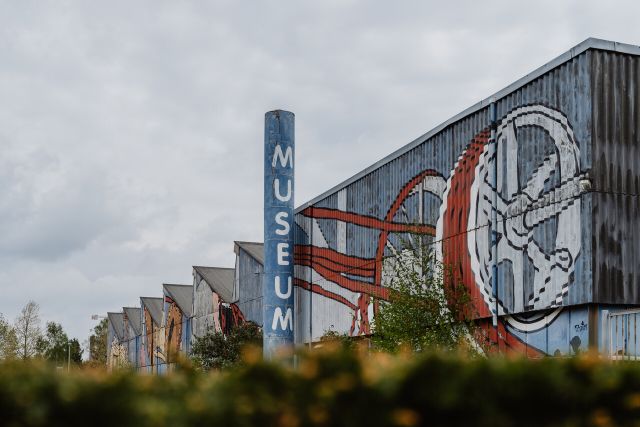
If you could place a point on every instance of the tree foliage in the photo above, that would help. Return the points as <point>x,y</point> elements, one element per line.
<point>216,350</point>
<point>426,309</point>
<point>27,329</point>
<point>98,343</point>
<point>8,340</point>
<point>56,347</point>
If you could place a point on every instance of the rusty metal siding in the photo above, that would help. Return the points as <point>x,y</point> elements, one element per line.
<point>616,177</point>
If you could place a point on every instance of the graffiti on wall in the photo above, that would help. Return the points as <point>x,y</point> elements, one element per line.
<point>230,316</point>
<point>531,208</point>
<point>172,329</point>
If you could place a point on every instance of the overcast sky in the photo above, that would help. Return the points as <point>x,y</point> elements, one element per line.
<point>131,131</point>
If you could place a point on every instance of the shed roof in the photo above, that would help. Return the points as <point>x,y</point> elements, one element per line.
<point>133,316</point>
<point>220,280</point>
<point>182,295</point>
<point>117,322</point>
<point>254,249</point>
<point>590,43</point>
<point>154,305</point>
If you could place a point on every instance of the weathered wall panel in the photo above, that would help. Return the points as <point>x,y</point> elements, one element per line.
<point>249,290</point>
<point>206,315</point>
<point>616,177</point>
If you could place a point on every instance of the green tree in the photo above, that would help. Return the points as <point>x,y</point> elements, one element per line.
<point>53,345</point>
<point>76,351</point>
<point>217,351</point>
<point>27,329</point>
<point>426,308</point>
<point>98,343</point>
<point>8,340</point>
<point>56,346</point>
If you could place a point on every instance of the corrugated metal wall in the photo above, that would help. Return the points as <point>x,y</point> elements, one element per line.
<point>530,188</point>
<point>249,279</point>
<point>205,307</point>
<point>616,177</point>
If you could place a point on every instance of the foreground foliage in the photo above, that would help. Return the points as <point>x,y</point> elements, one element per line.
<point>336,388</point>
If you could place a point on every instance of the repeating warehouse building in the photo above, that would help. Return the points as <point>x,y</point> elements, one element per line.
<point>531,196</point>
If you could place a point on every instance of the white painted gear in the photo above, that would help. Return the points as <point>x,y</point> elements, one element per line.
<point>520,210</point>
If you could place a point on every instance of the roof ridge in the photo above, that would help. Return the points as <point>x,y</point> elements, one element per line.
<point>587,44</point>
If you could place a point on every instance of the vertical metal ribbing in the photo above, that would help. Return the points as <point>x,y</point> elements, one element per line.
<point>493,146</point>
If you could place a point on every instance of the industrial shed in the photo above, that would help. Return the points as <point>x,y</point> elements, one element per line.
<point>212,298</point>
<point>176,321</point>
<point>116,351</point>
<point>132,334</point>
<point>152,340</point>
<point>531,195</point>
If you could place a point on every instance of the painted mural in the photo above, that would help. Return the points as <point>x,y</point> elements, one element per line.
<point>152,343</point>
<point>172,329</point>
<point>530,207</point>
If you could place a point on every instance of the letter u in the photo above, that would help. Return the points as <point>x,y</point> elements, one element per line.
<point>279,293</point>
<point>276,189</point>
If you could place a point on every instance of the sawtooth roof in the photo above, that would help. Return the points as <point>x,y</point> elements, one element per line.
<point>254,249</point>
<point>182,295</point>
<point>133,316</point>
<point>117,322</point>
<point>154,305</point>
<point>220,280</point>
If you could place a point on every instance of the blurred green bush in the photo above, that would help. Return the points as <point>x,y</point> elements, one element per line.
<point>332,387</point>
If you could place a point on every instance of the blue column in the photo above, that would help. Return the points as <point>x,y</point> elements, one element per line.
<point>277,283</point>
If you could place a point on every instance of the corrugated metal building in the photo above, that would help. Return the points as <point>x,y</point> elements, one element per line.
<point>537,182</point>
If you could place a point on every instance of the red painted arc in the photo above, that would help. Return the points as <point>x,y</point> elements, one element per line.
<point>456,221</point>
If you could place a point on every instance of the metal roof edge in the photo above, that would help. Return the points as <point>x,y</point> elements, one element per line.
<point>217,268</point>
<point>590,43</point>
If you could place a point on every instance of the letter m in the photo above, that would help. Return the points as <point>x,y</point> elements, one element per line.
<point>286,157</point>
<point>284,321</point>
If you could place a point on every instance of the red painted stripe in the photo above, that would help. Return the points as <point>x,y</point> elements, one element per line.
<point>334,256</point>
<point>368,221</point>
<point>352,285</point>
<point>336,268</point>
<point>316,289</point>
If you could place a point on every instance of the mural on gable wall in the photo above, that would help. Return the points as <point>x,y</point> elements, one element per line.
<point>152,343</point>
<point>118,357</point>
<point>172,329</point>
<point>536,210</point>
